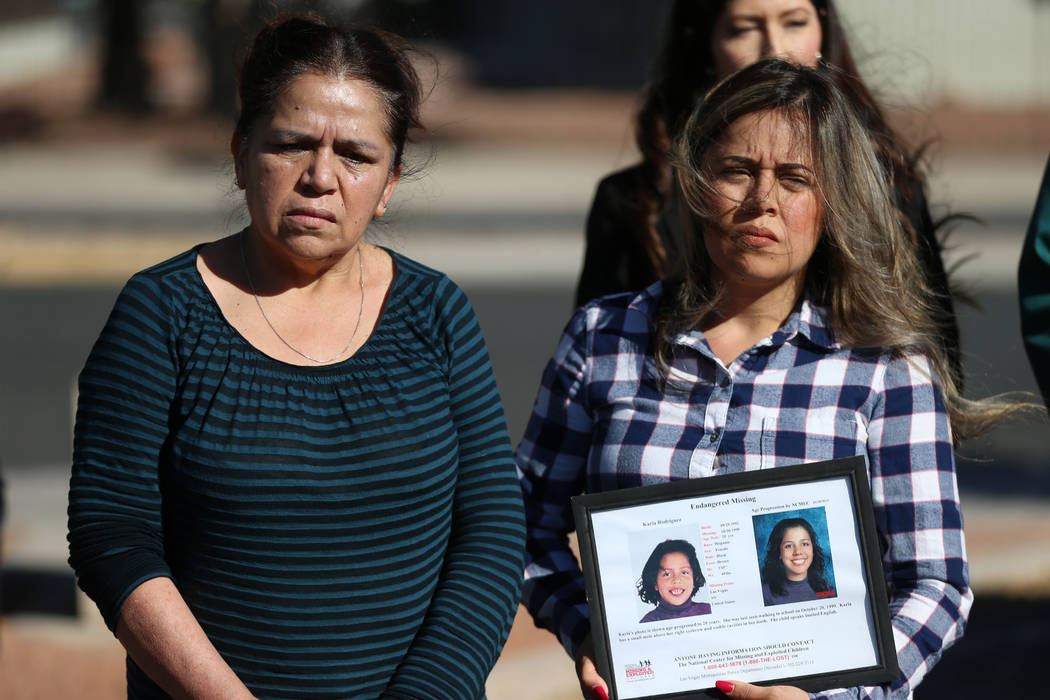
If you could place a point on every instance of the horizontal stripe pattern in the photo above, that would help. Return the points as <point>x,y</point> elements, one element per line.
<point>351,530</point>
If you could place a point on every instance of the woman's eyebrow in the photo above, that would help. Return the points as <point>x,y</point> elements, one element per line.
<point>799,9</point>
<point>749,17</point>
<point>742,160</point>
<point>303,137</point>
<point>291,135</point>
<point>362,145</point>
<point>795,166</point>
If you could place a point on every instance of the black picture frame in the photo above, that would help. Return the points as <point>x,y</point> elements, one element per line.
<point>835,482</point>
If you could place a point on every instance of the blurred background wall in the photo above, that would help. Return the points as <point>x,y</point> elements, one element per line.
<point>115,118</point>
<point>979,52</point>
<point>152,56</point>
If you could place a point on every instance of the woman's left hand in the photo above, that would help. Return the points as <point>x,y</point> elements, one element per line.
<point>739,690</point>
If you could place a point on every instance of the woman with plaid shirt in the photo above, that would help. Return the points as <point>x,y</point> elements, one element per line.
<point>801,330</point>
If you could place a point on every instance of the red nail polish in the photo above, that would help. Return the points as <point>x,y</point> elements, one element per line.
<point>601,692</point>
<point>724,686</point>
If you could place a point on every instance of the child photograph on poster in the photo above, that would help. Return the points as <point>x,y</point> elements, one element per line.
<point>671,583</point>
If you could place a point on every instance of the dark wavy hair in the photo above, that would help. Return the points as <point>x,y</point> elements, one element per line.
<point>773,574</point>
<point>292,46</point>
<point>684,71</point>
<point>647,583</point>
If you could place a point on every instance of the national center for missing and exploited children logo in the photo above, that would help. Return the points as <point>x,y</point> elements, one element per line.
<point>641,671</point>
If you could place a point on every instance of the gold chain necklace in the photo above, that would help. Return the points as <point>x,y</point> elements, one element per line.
<point>297,351</point>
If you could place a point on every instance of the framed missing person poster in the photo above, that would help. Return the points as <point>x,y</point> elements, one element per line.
<point>770,577</point>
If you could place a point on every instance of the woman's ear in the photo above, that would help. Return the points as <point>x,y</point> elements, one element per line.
<point>388,191</point>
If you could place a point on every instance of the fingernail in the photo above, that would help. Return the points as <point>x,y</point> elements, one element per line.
<point>724,686</point>
<point>600,692</point>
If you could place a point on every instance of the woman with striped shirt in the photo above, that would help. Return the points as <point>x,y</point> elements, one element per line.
<point>292,476</point>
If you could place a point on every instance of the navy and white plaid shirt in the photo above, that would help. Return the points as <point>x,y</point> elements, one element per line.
<point>601,423</point>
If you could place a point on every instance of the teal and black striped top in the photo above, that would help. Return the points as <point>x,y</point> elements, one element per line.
<point>345,531</point>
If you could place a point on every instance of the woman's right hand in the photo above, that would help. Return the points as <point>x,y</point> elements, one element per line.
<point>593,685</point>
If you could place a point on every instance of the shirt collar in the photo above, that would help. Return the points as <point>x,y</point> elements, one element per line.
<point>646,301</point>
<point>808,320</point>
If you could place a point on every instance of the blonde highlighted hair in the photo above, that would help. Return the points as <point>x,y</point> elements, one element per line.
<point>865,269</point>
